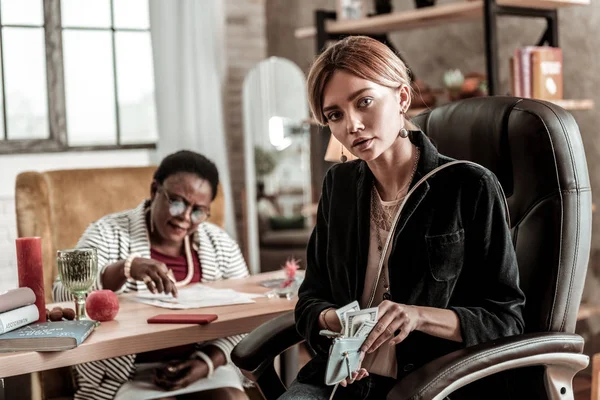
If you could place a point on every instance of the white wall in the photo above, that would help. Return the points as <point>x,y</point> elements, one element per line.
<point>12,165</point>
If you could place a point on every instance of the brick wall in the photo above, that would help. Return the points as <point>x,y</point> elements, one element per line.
<point>246,46</point>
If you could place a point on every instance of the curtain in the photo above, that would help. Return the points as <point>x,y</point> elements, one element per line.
<point>188,41</point>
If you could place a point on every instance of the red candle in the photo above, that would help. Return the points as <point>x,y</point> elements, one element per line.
<point>31,270</point>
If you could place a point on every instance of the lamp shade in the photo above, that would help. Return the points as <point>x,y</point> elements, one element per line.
<point>334,151</point>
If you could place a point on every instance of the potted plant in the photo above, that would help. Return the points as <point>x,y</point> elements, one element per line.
<point>264,161</point>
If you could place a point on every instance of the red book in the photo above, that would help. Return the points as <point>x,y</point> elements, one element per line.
<point>182,319</point>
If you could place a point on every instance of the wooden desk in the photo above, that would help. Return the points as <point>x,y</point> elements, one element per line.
<point>129,333</point>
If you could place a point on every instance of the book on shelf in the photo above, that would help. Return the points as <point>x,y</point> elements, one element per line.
<point>47,336</point>
<point>547,75</point>
<point>16,298</point>
<point>13,319</point>
<point>536,72</point>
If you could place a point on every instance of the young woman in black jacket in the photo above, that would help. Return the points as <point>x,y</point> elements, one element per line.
<point>449,278</point>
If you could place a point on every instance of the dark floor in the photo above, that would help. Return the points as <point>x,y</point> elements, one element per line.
<point>582,386</point>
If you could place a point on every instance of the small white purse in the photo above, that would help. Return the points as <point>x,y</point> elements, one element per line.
<point>344,357</point>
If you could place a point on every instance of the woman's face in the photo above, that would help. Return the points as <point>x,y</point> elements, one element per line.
<point>179,205</point>
<point>364,116</point>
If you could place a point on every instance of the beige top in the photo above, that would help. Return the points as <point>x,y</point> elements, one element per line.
<point>383,360</point>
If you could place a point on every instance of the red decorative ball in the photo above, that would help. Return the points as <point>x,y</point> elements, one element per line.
<point>102,305</point>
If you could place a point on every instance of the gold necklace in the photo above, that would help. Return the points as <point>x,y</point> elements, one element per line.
<point>377,215</point>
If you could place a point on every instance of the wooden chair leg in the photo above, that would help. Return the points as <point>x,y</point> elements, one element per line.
<point>596,377</point>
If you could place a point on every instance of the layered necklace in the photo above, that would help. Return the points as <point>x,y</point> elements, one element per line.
<point>190,263</point>
<point>383,215</point>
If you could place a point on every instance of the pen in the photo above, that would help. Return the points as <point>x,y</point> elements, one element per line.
<point>171,276</point>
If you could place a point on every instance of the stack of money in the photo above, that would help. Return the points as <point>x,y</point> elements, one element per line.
<point>356,322</point>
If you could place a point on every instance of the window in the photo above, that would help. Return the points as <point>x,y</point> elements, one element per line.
<point>76,75</point>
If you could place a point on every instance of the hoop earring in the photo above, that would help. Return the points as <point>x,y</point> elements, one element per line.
<point>403,133</point>
<point>343,157</point>
<point>149,213</point>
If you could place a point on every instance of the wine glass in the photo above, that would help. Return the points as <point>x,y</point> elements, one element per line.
<point>77,269</point>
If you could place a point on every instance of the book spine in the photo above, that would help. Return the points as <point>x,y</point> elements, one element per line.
<point>517,74</point>
<point>526,71</point>
<point>537,84</point>
<point>17,318</point>
<point>85,335</point>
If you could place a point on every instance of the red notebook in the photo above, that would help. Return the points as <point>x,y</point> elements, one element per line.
<point>201,319</point>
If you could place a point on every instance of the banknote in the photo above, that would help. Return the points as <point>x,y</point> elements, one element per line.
<point>364,330</point>
<point>341,313</point>
<point>354,319</point>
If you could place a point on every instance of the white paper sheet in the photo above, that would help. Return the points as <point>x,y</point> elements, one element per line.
<point>142,388</point>
<point>197,296</point>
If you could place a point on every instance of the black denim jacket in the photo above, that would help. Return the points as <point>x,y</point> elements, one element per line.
<point>451,249</point>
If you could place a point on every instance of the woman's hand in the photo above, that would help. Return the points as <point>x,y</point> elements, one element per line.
<point>179,374</point>
<point>154,275</point>
<point>357,375</point>
<point>392,317</point>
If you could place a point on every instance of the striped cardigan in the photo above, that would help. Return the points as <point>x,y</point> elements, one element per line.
<point>115,237</point>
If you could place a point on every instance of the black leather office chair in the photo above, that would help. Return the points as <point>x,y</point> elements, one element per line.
<point>535,149</point>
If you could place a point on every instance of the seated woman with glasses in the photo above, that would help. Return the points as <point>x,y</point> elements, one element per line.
<point>162,244</point>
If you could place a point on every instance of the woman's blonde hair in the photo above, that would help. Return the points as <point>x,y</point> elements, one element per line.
<point>358,55</point>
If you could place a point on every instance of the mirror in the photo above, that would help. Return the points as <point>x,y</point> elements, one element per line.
<point>278,189</point>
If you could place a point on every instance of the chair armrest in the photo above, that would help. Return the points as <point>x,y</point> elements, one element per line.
<point>260,347</point>
<point>446,374</point>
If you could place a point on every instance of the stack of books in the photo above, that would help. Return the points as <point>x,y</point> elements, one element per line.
<point>536,72</point>
<point>17,309</point>
<point>18,332</point>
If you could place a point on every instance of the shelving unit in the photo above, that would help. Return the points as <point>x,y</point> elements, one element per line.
<point>571,105</point>
<point>418,18</point>
<point>429,16</point>
<point>575,105</point>
<point>327,28</point>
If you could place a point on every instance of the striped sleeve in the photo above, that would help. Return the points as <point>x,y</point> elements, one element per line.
<point>102,379</point>
<point>225,344</point>
<point>93,237</point>
<point>60,292</point>
<point>236,266</point>
<point>100,236</point>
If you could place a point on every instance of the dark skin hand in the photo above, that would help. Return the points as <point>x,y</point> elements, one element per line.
<point>179,374</point>
<point>153,271</point>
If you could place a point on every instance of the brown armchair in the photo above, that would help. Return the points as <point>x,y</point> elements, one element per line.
<point>535,150</point>
<point>59,205</point>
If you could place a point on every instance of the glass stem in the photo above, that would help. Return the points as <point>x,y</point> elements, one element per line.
<point>80,307</point>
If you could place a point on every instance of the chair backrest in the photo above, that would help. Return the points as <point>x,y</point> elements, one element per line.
<point>59,205</point>
<point>535,150</point>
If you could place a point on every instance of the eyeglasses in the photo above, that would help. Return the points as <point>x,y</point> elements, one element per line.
<point>178,207</point>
